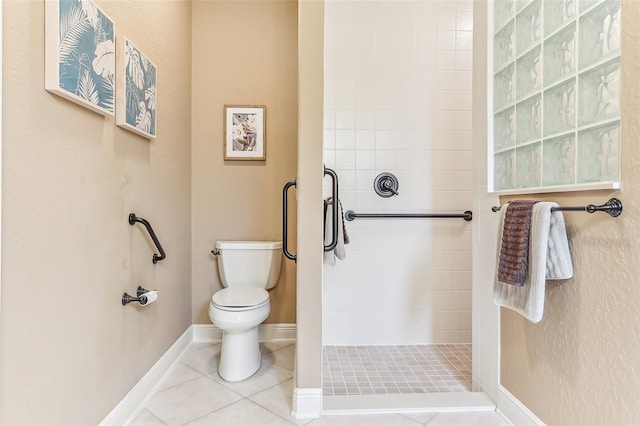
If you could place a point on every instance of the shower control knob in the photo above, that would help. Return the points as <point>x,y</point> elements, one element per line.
<point>386,185</point>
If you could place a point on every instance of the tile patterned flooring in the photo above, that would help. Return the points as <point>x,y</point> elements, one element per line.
<point>193,393</point>
<point>368,370</point>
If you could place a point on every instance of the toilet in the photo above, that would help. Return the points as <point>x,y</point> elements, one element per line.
<point>247,270</point>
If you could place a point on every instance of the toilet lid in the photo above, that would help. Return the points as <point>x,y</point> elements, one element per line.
<point>238,297</point>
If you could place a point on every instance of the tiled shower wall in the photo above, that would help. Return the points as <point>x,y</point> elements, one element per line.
<point>398,99</point>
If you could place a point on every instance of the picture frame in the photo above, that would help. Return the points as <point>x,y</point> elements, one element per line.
<point>245,132</point>
<point>137,90</point>
<point>80,58</point>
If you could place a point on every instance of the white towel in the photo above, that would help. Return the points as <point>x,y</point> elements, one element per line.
<point>549,258</point>
<point>339,251</point>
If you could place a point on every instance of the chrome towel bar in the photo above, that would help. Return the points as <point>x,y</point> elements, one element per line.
<point>351,215</point>
<point>613,207</point>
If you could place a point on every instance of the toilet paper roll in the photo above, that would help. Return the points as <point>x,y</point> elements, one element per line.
<point>148,297</point>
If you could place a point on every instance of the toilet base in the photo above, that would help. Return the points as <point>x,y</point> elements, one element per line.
<point>240,355</point>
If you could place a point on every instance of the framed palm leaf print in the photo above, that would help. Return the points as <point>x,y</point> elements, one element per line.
<point>137,87</point>
<point>80,54</point>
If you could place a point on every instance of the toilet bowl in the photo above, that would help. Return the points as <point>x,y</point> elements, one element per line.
<point>247,269</point>
<point>239,314</point>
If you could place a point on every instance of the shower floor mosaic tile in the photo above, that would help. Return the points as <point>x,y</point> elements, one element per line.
<point>369,370</point>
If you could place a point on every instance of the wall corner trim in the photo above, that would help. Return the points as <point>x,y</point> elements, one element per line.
<point>515,411</point>
<point>130,405</point>
<point>307,403</point>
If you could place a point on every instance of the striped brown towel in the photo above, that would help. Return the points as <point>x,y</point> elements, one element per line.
<point>514,247</point>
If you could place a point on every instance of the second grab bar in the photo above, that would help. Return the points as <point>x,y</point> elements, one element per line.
<point>132,220</point>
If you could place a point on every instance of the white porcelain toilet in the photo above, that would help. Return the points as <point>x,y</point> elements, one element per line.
<point>247,270</point>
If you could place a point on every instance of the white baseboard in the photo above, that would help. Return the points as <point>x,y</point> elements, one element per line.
<point>130,405</point>
<point>515,411</point>
<point>307,403</point>
<point>206,333</point>
<point>203,333</point>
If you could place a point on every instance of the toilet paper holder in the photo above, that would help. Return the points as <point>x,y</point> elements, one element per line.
<point>140,297</point>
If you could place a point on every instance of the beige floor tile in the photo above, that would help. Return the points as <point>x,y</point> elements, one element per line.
<point>477,418</point>
<point>204,359</point>
<point>283,357</point>
<point>191,400</point>
<point>365,420</point>
<point>267,376</point>
<point>179,373</point>
<point>279,399</point>
<point>242,413</point>
<point>420,417</point>
<point>146,418</point>
<point>275,345</point>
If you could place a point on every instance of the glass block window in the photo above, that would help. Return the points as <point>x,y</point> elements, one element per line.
<point>556,94</point>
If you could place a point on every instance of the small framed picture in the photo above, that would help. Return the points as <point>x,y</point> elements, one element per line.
<point>244,132</point>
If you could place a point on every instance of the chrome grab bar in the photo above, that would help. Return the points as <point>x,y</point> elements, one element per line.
<point>335,205</point>
<point>285,221</point>
<point>132,220</point>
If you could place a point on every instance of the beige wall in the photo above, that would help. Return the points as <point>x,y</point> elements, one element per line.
<point>579,365</point>
<point>70,350</point>
<point>309,190</point>
<point>244,52</point>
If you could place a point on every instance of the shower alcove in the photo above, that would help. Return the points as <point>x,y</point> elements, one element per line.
<point>397,312</point>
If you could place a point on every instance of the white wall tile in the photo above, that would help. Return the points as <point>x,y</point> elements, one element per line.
<point>329,118</point>
<point>385,160</point>
<point>329,139</point>
<point>329,158</point>
<point>365,119</point>
<point>464,19</point>
<point>446,12</point>
<point>386,119</point>
<point>385,139</point>
<point>365,159</point>
<point>446,40</point>
<point>345,159</point>
<point>345,139</point>
<point>446,59</point>
<point>464,40</point>
<point>464,60</point>
<point>365,139</point>
<point>345,118</point>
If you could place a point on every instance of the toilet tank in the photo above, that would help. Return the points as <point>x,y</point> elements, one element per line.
<point>249,263</point>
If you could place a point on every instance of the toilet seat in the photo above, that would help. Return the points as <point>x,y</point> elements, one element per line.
<point>240,298</point>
